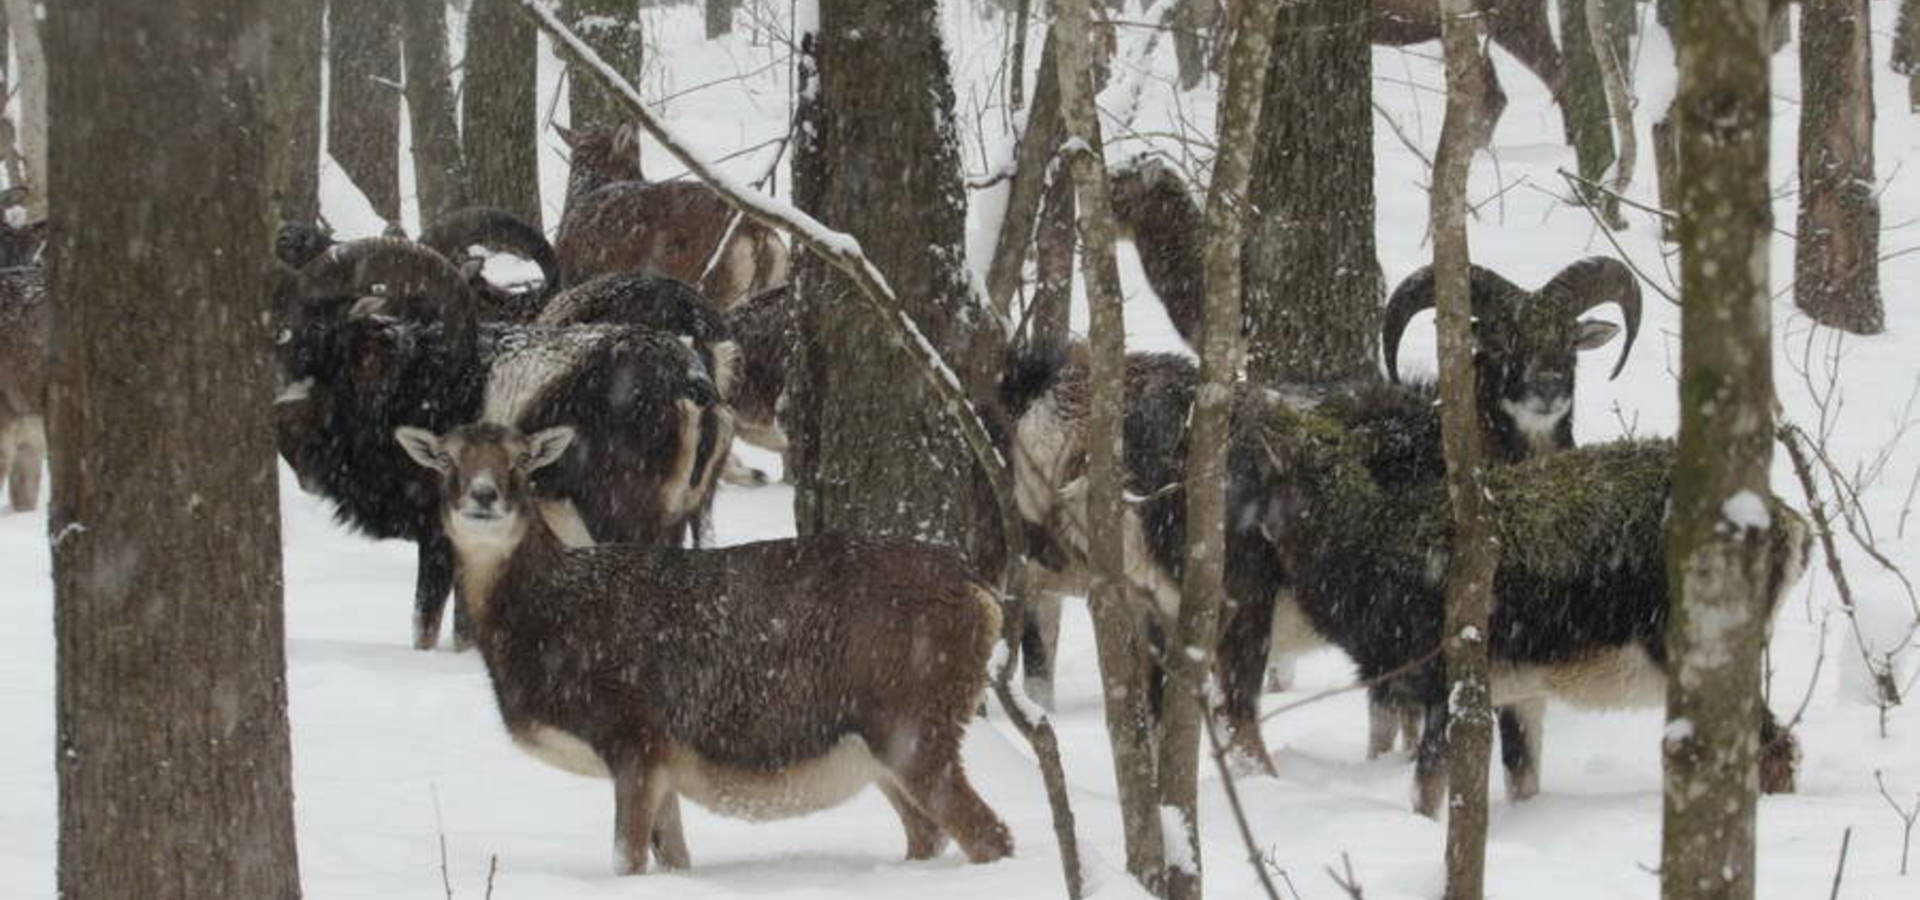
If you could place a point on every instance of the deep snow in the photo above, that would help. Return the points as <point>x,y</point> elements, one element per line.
<point>394,749</point>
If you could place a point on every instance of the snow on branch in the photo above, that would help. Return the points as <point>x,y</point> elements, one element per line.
<point>838,248</point>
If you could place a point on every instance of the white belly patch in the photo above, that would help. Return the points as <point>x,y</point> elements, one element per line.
<point>810,786</point>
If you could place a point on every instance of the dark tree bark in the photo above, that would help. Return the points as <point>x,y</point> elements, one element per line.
<point>1589,122</point>
<point>877,157</point>
<point>1836,263</point>
<point>172,755</point>
<point>1053,245</point>
<point>1203,585</point>
<point>1193,24</point>
<point>1117,635</point>
<point>1313,283</point>
<point>612,29</point>
<point>363,121</point>
<point>719,17</point>
<point>1717,568</point>
<point>1474,552</point>
<point>439,171</point>
<point>499,109</point>
<point>293,105</point>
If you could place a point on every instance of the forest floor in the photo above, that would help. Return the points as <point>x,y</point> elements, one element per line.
<point>404,776</point>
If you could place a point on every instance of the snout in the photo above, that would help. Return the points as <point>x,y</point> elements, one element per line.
<point>482,502</point>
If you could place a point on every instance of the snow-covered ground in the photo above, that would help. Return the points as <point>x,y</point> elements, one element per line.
<point>396,750</point>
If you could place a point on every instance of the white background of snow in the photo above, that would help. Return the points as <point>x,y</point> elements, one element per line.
<point>380,729</point>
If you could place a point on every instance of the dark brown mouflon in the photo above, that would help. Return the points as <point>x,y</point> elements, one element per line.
<point>761,681</point>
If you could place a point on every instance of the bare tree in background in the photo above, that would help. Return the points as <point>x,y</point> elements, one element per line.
<point>719,17</point>
<point>1313,286</point>
<point>499,110</point>
<point>363,103</point>
<point>1475,552</point>
<point>1836,262</point>
<point>172,756</point>
<point>296,29</point>
<point>877,156</point>
<point>1203,585</point>
<point>439,172</point>
<point>1032,180</point>
<point>1120,645</point>
<point>612,28</point>
<point>1719,553</point>
<point>31,87</point>
<point>1906,50</point>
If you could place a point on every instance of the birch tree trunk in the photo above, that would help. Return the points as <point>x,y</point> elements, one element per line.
<point>1836,262</point>
<point>439,172</point>
<point>1123,672</point>
<point>498,107</point>
<point>363,107</point>
<point>171,702</point>
<point>1203,589</point>
<point>1717,568</point>
<point>31,84</point>
<point>612,28</point>
<point>293,109</point>
<point>1470,565</point>
<point>1312,277</point>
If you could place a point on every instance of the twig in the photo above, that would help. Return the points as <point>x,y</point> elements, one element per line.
<point>493,869</point>
<point>1908,817</point>
<point>1657,287</point>
<point>1406,141</point>
<point>1382,678</point>
<point>1349,884</point>
<point>440,827</point>
<point>1840,867</point>
<point>1254,856</point>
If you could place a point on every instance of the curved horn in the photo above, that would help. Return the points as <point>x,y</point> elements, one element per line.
<point>495,229</point>
<point>401,269</point>
<point>1597,281</point>
<point>1414,294</point>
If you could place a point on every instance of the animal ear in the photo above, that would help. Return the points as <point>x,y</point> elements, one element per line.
<point>423,446</point>
<point>545,447</point>
<point>1591,333</point>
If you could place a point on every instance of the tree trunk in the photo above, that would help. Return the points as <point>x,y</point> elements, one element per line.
<point>719,17</point>
<point>1609,44</point>
<point>1203,587</point>
<point>1031,168</point>
<point>1193,22</point>
<point>363,121</point>
<point>498,106</point>
<point>439,173</point>
<point>612,29</point>
<point>877,157</point>
<point>1589,121</point>
<point>1117,631</point>
<point>1312,278</point>
<point>1474,553</point>
<point>1836,263</point>
<point>1053,245</point>
<point>173,756</point>
<point>293,108</point>
<point>1717,570</point>
<point>1906,50</point>
<point>31,84</point>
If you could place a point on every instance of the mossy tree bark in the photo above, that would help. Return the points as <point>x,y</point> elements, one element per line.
<point>1053,246</point>
<point>363,105</point>
<point>1203,587</point>
<point>1475,551</point>
<point>877,157</point>
<point>1718,560</point>
<point>1836,262</point>
<point>439,170</point>
<point>612,28</point>
<point>172,749</point>
<point>1589,121</point>
<point>296,28</point>
<point>500,110</point>
<point>1123,671</point>
<point>1311,274</point>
